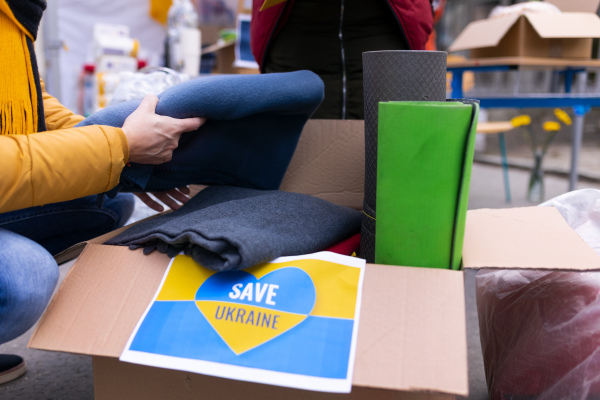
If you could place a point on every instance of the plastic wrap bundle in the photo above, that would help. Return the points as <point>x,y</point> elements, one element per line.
<point>394,75</point>
<point>540,334</point>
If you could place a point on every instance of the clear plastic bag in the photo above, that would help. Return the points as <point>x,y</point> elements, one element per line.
<point>540,330</point>
<point>581,210</point>
<point>522,8</point>
<point>150,80</point>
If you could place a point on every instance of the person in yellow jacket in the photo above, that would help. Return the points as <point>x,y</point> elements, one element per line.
<point>50,172</point>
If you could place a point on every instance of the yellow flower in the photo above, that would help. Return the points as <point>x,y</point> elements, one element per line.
<point>520,120</point>
<point>552,126</point>
<point>562,116</point>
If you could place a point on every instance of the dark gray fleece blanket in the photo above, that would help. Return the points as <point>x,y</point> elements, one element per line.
<point>230,228</point>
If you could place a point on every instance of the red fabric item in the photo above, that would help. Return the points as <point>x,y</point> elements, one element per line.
<point>414,16</point>
<point>346,247</point>
<point>540,334</point>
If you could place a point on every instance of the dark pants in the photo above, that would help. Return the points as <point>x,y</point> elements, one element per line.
<point>311,40</point>
<point>58,226</point>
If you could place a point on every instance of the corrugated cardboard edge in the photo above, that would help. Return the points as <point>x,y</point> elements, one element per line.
<point>412,334</point>
<point>114,380</point>
<point>100,301</point>
<point>483,33</point>
<point>329,162</point>
<point>75,250</point>
<point>524,238</point>
<point>424,310</point>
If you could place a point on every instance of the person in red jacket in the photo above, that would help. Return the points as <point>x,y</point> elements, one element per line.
<point>328,37</point>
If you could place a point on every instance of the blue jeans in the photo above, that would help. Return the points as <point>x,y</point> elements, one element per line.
<point>60,225</point>
<point>28,275</point>
<point>28,272</point>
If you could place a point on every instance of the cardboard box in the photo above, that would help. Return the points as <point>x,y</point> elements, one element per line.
<point>225,58</point>
<point>565,35</point>
<point>411,338</point>
<point>329,162</point>
<point>412,334</point>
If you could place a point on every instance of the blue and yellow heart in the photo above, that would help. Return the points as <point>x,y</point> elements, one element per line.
<point>247,312</point>
<point>260,317</point>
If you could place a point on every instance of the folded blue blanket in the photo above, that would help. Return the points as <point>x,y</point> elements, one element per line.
<point>252,128</point>
<point>228,228</point>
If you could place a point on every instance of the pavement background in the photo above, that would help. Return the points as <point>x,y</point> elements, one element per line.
<point>59,376</point>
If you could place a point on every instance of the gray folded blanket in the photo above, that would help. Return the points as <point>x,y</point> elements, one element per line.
<point>230,228</point>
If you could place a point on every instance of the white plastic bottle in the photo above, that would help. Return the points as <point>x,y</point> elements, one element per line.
<point>183,38</point>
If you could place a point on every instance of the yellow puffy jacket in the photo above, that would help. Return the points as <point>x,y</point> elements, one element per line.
<point>61,164</point>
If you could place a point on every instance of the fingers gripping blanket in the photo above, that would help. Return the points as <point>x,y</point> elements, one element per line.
<point>253,125</point>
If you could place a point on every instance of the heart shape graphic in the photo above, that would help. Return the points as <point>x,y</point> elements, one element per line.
<point>247,312</point>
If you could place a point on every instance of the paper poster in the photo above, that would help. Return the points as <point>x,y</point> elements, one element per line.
<point>291,322</point>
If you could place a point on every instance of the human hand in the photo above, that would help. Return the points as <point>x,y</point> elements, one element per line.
<point>151,137</point>
<point>169,197</point>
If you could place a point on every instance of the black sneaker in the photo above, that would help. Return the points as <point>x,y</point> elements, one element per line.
<point>11,367</point>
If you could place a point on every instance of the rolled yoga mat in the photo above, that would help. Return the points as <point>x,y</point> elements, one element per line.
<point>424,161</point>
<point>394,75</point>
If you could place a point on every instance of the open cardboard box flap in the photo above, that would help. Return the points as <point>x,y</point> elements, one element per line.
<point>565,25</point>
<point>329,162</point>
<point>483,33</point>
<point>590,6</point>
<point>75,250</point>
<point>524,238</point>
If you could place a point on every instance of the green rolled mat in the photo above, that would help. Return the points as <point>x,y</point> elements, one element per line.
<point>424,160</point>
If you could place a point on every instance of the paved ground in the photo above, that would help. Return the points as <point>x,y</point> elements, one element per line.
<point>57,376</point>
